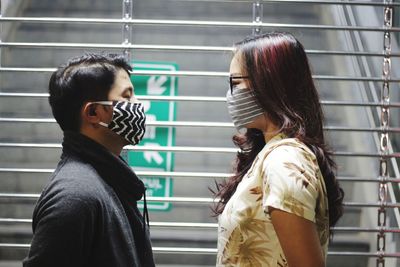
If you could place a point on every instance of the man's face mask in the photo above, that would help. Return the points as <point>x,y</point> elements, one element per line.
<point>128,121</point>
<point>242,106</point>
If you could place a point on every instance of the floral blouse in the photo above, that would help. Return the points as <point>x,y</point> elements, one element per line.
<point>285,175</point>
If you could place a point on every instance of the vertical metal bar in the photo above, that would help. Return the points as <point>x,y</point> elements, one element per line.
<point>1,29</point>
<point>257,17</point>
<point>384,135</point>
<point>1,40</point>
<point>127,14</point>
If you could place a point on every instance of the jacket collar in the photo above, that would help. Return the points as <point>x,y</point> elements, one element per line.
<point>112,169</point>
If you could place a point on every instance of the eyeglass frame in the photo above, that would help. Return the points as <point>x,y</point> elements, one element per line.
<point>231,78</point>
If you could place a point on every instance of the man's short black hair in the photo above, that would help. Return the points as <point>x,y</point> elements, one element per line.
<point>81,80</point>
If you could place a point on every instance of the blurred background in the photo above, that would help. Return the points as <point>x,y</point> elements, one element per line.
<point>181,51</point>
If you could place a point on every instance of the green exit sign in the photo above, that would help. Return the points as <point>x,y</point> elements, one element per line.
<point>156,85</point>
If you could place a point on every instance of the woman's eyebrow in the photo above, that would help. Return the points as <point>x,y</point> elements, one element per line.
<point>235,74</point>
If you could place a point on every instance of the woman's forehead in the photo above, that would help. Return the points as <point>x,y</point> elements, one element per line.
<point>236,64</point>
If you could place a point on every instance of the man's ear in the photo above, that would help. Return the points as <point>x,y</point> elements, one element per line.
<point>89,113</point>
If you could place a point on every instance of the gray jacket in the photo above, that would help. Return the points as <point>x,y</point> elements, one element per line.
<point>84,219</point>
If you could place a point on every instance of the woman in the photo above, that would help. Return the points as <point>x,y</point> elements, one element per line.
<point>277,208</point>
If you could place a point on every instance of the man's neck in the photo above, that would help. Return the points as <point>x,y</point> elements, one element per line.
<point>112,144</point>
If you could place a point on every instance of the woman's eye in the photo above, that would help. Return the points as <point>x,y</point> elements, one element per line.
<point>235,84</point>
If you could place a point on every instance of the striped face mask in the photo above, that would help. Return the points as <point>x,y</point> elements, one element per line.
<point>242,106</point>
<point>128,121</point>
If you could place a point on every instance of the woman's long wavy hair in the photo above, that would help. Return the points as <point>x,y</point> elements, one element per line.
<point>280,76</point>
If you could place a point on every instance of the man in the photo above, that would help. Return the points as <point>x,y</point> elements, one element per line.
<point>87,215</point>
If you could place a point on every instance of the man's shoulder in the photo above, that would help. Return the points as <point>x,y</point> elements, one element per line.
<point>77,180</point>
<point>75,169</point>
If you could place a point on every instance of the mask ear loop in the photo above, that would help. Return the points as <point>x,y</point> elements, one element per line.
<point>106,103</point>
<point>103,124</point>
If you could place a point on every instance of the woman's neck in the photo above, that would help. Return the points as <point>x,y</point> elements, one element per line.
<point>270,132</point>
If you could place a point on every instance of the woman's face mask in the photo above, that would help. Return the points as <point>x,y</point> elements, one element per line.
<point>128,121</point>
<point>242,106</point>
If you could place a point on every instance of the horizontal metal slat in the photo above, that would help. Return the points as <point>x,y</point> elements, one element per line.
<point>199,175</point>
<point>14,246</point>
<point>215,226</point>
<point>212,99</point>
<point>330,2</point>
<point>181,48</point>
<point>127,46</point>
<point>195,200</point>
<point>207,124</point>
<point>213,251</point>
<point>208,74</point>
<point>197,23</point>
<point>203,149</point>
<point>319,2</point>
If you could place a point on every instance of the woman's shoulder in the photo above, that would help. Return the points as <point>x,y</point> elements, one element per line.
<point>289,150</point>
<point>289,142</point>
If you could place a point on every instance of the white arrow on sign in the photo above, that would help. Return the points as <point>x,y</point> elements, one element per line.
<point>149,156</point>
<point>154,85</point>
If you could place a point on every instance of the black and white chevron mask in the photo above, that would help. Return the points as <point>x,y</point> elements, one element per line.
<point>128,121</point>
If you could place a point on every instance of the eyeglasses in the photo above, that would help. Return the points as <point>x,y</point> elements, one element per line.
<point>231,78</point>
